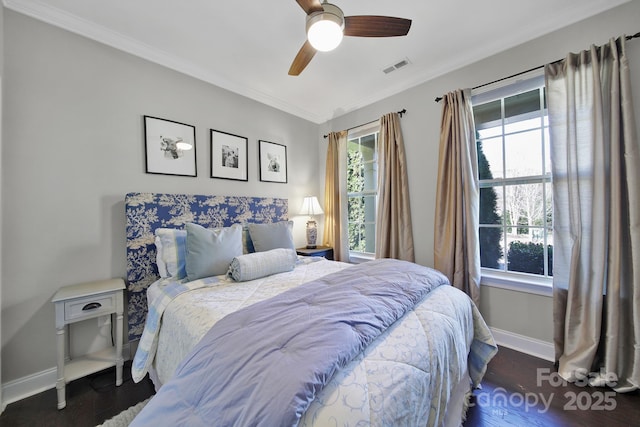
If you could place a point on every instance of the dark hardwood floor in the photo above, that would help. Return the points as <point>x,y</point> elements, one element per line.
<point>90,401</point>
<point>510,396</point>
<point>514,394</point>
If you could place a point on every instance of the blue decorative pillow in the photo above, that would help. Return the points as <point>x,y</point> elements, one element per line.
<point>171,252</point>
<point>272,236</point>
<point>261,264</point>
<point>247,244</point>
<point>210,251</point>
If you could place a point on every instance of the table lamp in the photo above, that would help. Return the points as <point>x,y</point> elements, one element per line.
<point>311,207</point>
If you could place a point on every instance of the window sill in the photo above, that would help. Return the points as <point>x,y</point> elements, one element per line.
<point>516,282</point>
<point>359,257</point>
<point>513,282</point>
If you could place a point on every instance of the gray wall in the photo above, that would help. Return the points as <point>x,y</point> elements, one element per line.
<point>73,111</point>
<point>517,312</point>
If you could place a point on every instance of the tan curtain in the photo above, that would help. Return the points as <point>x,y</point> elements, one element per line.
<point>394,234</point>
<point>456,247</point>
<point>336,233</point>
<point>596,188</point>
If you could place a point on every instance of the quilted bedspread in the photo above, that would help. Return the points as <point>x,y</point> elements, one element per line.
<point>404,377</point>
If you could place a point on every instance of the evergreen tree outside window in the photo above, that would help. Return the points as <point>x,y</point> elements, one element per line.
<point>514,171</point>
<point>489,237</point>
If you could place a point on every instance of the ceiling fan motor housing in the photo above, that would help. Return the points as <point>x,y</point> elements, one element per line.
<point>331,12</point>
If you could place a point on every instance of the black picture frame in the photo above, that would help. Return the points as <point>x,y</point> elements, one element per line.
<point>273,161</point>
<point>163,154</point>
<point>228,159</point>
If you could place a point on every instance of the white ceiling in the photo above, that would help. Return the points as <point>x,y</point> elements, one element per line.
<point>247,46</point>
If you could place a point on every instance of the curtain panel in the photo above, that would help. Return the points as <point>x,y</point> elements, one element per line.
<point>456,246</point>
<point>336,233</point>
<point>394,231</point>
<point>596,177</point>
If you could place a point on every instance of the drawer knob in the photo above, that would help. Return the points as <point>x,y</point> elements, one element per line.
<point>91,306</point>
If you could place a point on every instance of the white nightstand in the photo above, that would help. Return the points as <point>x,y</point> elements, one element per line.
<point>81,302</point>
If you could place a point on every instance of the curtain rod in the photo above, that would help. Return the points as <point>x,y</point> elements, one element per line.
<point>439,98</point>
<point>401,112</point>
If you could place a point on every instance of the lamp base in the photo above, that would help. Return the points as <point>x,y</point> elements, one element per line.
<point>312,234</point>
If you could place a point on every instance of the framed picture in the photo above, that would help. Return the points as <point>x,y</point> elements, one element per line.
<point>170,147</point>
<point>228,156</point>
<point>273,161</point>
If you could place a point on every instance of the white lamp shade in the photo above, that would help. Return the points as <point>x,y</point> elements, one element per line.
<point>310,206</point>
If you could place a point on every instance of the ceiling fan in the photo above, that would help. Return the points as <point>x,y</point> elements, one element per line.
<point>326,24</point>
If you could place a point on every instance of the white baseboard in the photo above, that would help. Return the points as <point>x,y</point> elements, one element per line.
<point>21,388</point>
<point>30,385</point>
<point>531,346</point>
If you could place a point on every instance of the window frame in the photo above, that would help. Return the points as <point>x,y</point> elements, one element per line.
<point>360,132</point>
<point>517,281</point>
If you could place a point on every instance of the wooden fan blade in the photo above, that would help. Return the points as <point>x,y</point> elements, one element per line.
<point>310,6</point>
<point>302,59</point>
<point>375,26</point>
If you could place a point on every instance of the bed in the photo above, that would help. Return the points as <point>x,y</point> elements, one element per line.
<point>220,347</point>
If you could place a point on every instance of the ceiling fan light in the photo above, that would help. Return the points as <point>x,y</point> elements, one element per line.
<point>325,29</point>
<point>325,35</point>
<point>184,146</point>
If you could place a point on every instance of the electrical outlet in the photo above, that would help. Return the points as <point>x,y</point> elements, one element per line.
<point>104,321</point>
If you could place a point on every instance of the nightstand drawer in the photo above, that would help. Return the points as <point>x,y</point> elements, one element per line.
<point>90,306</point>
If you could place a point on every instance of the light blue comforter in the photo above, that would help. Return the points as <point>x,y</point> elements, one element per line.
<point>264,365</point>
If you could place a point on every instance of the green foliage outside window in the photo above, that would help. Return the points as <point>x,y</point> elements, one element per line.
<point>355,184</point>
<point>528,257</point>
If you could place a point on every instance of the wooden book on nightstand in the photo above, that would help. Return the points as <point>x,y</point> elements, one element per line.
<point>321,251</point>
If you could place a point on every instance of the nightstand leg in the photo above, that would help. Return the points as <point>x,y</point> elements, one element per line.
<point>60,382</point>
<point>119,359</point>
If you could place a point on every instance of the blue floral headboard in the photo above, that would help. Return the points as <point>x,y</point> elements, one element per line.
<point>147,211</point>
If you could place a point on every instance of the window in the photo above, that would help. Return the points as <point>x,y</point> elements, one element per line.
<point>362,188</point>
<point>514,168</point>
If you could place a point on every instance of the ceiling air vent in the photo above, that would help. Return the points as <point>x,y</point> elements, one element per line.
<point>396,66</point>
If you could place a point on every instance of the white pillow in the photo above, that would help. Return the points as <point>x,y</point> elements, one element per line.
<point>162,266</point>
<point>171,252</point>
